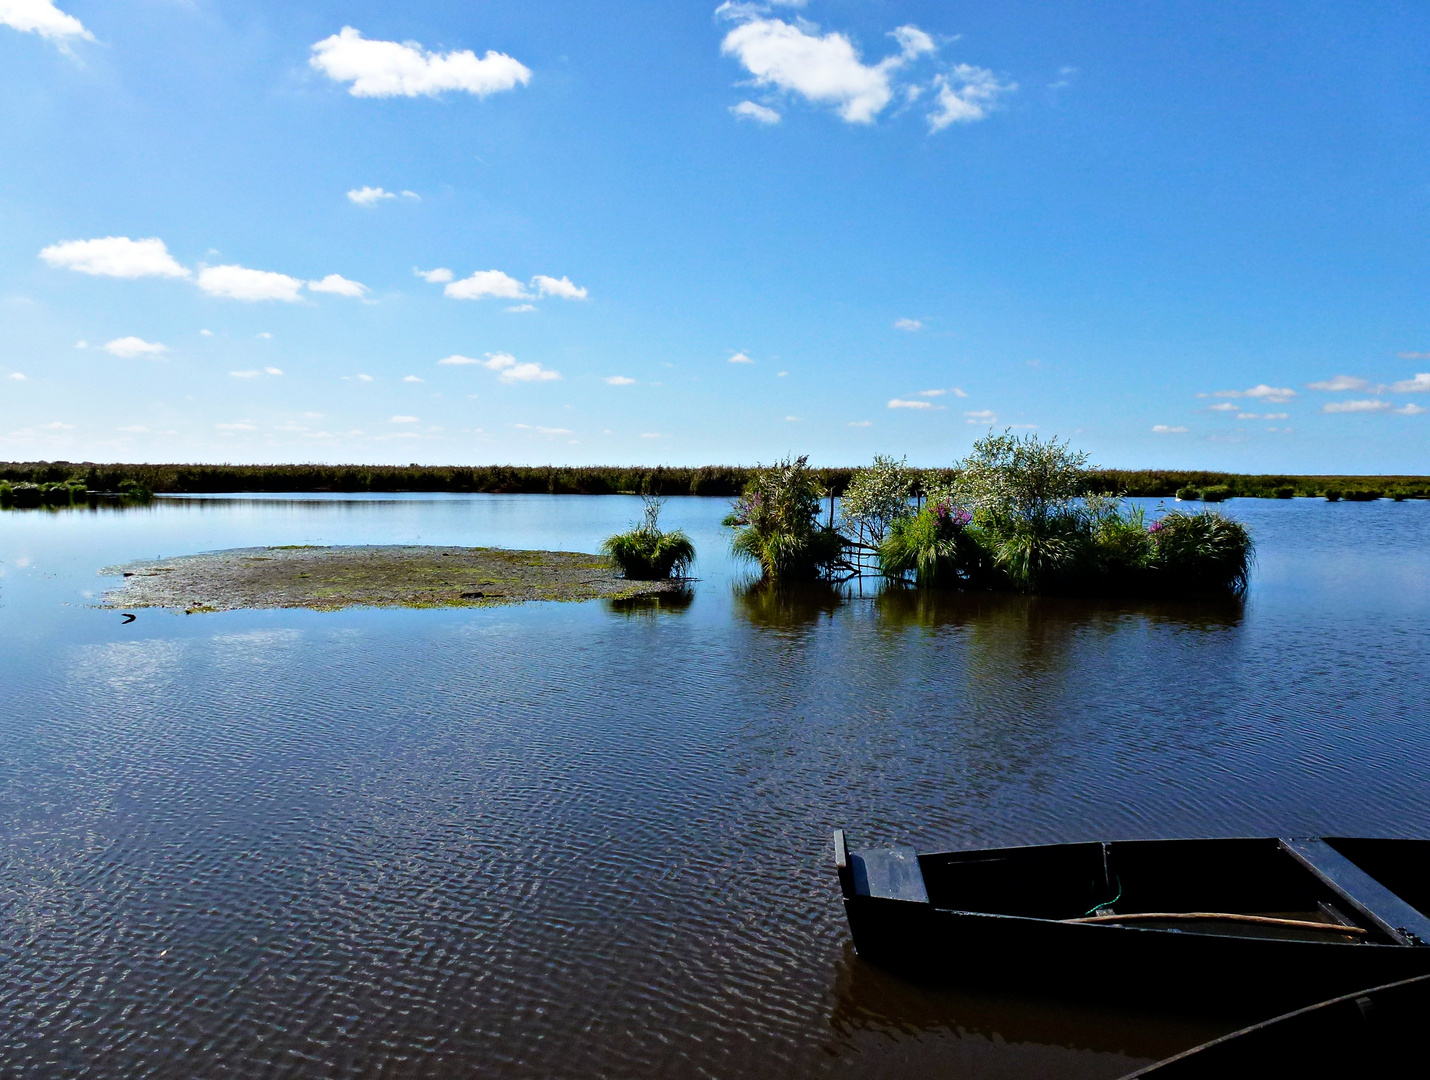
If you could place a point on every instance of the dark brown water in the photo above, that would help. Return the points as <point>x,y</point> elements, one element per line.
<point>580,840</point>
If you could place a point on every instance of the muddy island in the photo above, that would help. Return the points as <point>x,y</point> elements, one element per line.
<point>330,578</point>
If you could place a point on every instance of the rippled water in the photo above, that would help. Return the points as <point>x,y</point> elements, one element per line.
<point>585,840</point>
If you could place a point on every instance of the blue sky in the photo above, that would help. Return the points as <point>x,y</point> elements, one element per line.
<point>1180,235</point>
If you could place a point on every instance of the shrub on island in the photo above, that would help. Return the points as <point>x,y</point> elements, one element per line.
<point>646,553</point>
<point>1018,516</point>
<point>776,523</point>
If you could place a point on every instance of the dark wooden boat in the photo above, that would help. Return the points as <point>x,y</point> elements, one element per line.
<point>1372,1032</point>
<point>1234,928</point>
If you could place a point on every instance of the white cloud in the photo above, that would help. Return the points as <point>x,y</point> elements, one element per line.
<point>861,423</point>
<point>245,374</point>
<point>43,18</point>
<point>1224,406</point>
<point>933,393</point>
<point>130,347</point>
<point>1419,384</point>
<point>1414,355</point>
<point>412,378</point>
<point>620,380</point>
<point>966,94</point>
<point>369,196</point>
<point>760,114</point>
<point>740,358</point>
<point>81,344</point>
<point>507,367</point>
<point>1362,406</point>
<point>778,374</point>
<point>1276,416</point>
<point>1248,416</point>
<point>486,283</point>
<point>440,276</point>
<point>651,435</point>
<point>900,403</point>
<point>404,420</point>
<point>792,419</point>
<point>405,69</point>
<point>272,371</point>
<point>264,336</point>
<point>824,69</point>
<point>239,426</point>
<point>1405,410</point>
<point>1164,429</point>
<point>562,287</point>
<point>1340,384</point>
<point>912,41</point>
<point>17,376</point>
<point>57,425</point>
<point>241,283</point>
<point>338,286</point>
<point>411,195</point>
<point>364,378</point>
<point>517,309</point>
<point>206,333</point>
<point>908,324</point>
<point>115,256</point>
<point>1272,395</point>
<point>982,416</point>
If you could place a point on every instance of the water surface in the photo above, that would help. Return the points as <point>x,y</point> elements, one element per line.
<point>585,840</point>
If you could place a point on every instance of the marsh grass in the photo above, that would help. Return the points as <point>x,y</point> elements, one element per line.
<point>776,523</point>
<point>646,552</point>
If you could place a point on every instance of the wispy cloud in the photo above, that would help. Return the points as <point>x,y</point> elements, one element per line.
<point>861,423</point>
<point>405,69</point>
<point>507,367</point>
<point>981,416</point>
<point>620,380</point>
<point>404,420</point>
<point>240,425</point>
<point>1340,384</point>
<point>1365,405</point>
<point>740,358</point>
<point>901,403</point>
<point>760,114</point>
<point>1274,395</point>
<point>521,309</point>
<point>964,95</point>
<point>369,196</point>
<point>130,347</point>
<point>1418,385</point>
<point>115,256</point>
<point>412,378</point>
<point>440,276</point>
<point>1167,429</point>
<point>487,283</point>
<point>17,376</point>
<point>910,325</point>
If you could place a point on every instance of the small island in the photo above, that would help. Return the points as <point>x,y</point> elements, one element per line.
<point>331,578</point>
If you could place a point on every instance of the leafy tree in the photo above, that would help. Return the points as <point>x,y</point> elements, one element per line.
<point>777,523</point>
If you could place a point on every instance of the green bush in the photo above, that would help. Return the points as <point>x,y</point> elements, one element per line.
<point>1189,493</point>
<point>1284,492</point>
<point>27,495</point>
<point>645,553</point>
<point>1216,493</point>
<point>777,523</point>
<point>1333,494</point>
<point>936,546</point>
<point>1361,495</point>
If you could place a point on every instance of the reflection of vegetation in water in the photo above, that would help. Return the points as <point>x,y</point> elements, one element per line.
<point>65,494</point>
<point>648,607</point>
<point>789,604</point>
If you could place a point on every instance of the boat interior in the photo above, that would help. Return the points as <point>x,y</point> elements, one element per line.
<point>1332,889</point>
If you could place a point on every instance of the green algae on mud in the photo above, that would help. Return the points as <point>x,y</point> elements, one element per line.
<point>330,578</point>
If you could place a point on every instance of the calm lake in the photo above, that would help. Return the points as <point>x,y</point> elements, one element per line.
<point>580,840</point>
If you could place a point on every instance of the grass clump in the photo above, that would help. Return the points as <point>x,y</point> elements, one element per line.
<point>1187,493</point>
<point>646,552</point>
<point>777,524</point>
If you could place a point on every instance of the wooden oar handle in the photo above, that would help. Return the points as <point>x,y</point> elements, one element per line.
<point>1223,916</point>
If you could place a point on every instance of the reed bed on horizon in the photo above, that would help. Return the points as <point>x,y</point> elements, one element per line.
<point>715,480</point>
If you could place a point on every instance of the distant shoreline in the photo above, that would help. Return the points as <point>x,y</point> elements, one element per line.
<point>718,480</point>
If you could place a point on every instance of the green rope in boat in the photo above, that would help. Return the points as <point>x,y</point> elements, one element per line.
<point>1106,903</point>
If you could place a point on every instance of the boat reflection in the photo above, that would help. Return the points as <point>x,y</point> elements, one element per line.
<point>902,1028</point>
